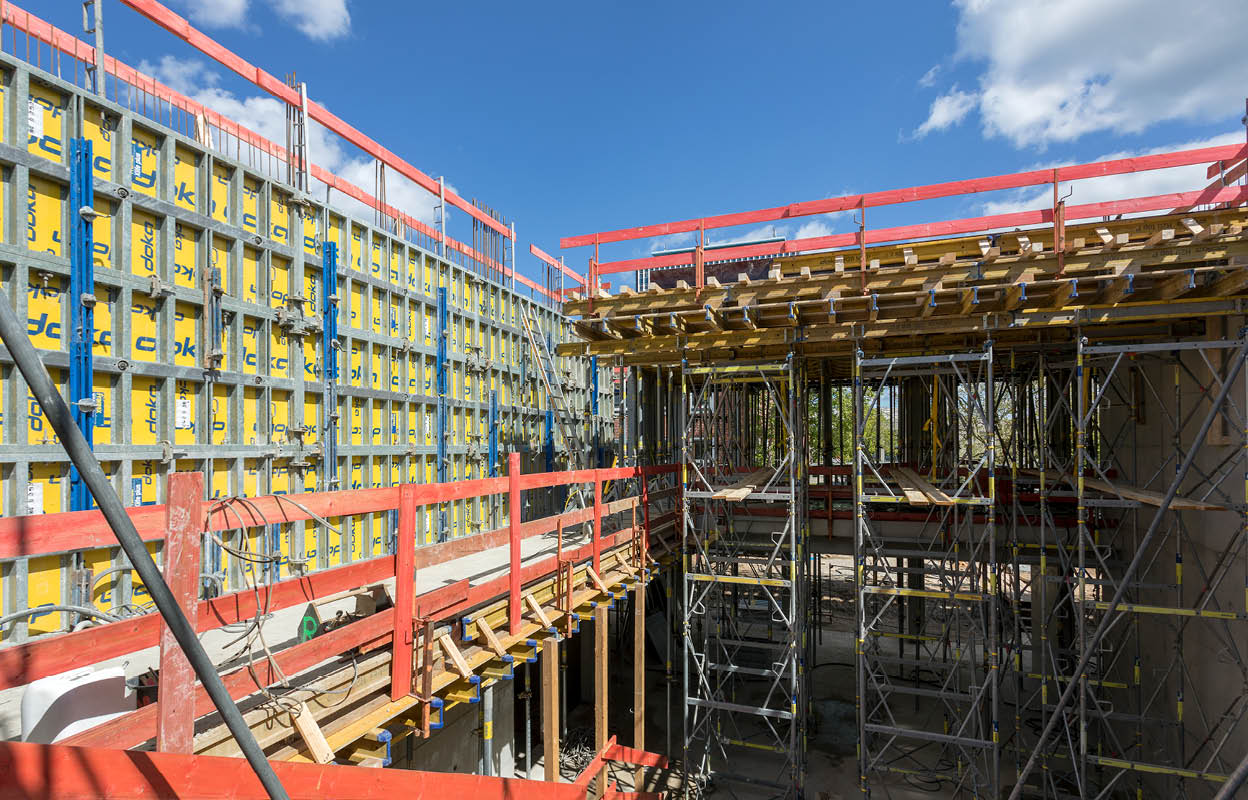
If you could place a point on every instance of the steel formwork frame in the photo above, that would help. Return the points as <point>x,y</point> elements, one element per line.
<point>948,663</point>
<point>745,576</point>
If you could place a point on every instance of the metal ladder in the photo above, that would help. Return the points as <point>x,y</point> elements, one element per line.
<point>554,389</point>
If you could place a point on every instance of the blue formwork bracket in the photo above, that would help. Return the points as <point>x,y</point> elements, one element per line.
<point>81,306</point>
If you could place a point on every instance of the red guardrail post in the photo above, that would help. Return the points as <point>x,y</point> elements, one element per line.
<point>513,497</point>
<point>184,521</point>
<point>598,521</point>
<point>404,593</point>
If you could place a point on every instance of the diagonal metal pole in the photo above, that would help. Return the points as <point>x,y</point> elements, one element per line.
<point>1140,549</point>
<point>58,414</point>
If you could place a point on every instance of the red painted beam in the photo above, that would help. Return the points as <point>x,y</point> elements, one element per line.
<point>179,27</point>
<point>933,191</point>
<point>175,728</point>
<point>640,758</point>
<point>559,265</point>
<point>60,772</point>
<point>404,593</point>
<point>1229,194</point>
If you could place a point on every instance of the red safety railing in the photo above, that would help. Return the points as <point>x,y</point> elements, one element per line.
<point>1226,162</point>
<point>79,530</point>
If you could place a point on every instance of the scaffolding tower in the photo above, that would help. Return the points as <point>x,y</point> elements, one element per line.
<point>745,576</point>
<point>928,637</point>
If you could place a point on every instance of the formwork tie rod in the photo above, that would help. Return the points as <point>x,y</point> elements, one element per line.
<point>75,444</point>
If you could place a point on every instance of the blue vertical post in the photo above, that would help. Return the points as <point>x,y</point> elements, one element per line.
<point>593,409</point>
<point>493,434</point>
<point>329,359</point>
<point>81,306</point>
<point>440,439</point>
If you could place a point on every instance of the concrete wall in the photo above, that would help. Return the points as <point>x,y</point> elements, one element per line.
<point>457,746</point>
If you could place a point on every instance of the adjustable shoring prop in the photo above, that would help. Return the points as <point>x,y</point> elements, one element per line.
<point>75,444</point>
<point>1140,549</point>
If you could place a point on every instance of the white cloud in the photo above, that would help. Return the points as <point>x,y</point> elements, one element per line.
<point>317,19</point>
<point>1116,187</point>
<point>217,13</point>
<point>929,78</point>
<point>812,229</point>
<point>267,116</point>
<point>1055,70</point>
<point>947,110</point>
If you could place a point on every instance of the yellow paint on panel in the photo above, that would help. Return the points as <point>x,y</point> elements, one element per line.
<point>99,130</point>
<point>144,410</point>
<point>334,234</point>
<point>251,345</point>
<point>396,265</point>
<point>43,589</point>
<point>251,415</point>
<point>355,253</point>
<point>221,476</point>
<point>311,236</point>
<point>413,271</point>
<point>375,367</point>
<point>251,275</point>
<point>251,205</point>
<point>355,368</point>
<point>144,244</point>
<point>413,375</point>
<point>102,394</point>
<point>311,418</point>
<point>185,411</point>
<point>220,413</point>
<point>357,305</point>
<point>429,426</point>
<point>185,255</point>
<point>430,281</point>
<point>144,161</point>
<point>45,206</point>
<point>279,281</point>
<point>219,192</point>
<point>394,423</point>
<point>185,335</point>
<point>377,312</point>
<point>413,422</point>
<point>45,123</point>
<point>185,179</point>
<point>410,332</point>
<point>96,562</point>
<point>220,261</point>
<point>102,234</point>
<point>311,357</point>
<point>376,257</point>
<point>429,387</point>
<point>376,424</point>
<point>279,217</point>
<point>429,327</point>
<point>312,291</point>
<point>279,416</point>
<point>357,420</point>
<point>45,320</point>
<point>395,382</point>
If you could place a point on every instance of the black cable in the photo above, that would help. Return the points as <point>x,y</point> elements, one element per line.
<point>58,415</point>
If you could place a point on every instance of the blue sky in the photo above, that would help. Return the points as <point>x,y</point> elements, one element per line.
<point>574,117</point>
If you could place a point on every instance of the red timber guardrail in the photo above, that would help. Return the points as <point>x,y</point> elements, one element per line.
<point>1226,163</point>
<point>63,42</point>
<point>56,653</point>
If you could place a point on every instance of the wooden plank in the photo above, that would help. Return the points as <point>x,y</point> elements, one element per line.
<point>934,496</point>
<point>310,733</point>
<point>184,514</point>
<point>537,610</point>
<point>1129,492</point>
<point>744,487</point>
<point>490,637</point>
<point>914,495</point>
<point>456,657</point>
<point>600,689</point>
<point>550,708</point>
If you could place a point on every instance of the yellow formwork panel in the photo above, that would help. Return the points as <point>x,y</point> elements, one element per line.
<point>357,420</point>
<point>102,233</point>
<point>377,313</point>
<point>145,410</point>
<point>185,335</point>
<point>186,255</point>
<point>45,122</point>
<point>220,413</point>
<point>219,260</point>
<point>311,418</point>
<point>185,411</point>
<point>396,267</point>
<point>279,416</point>
<point>103,388</point>
<point>355,254</point>
<point>251,345</point>
<point>219,192</point>
<point>144,161</point>
<point>375,258</point>
<point>44,312</point>
<point>38,429</point>
<point>376,367</point>
<point>251,205</point>
<point>357,305</point>
<point>186,179</point>
<point>279,281</point>
<point>311,357</point>
<point>279,352</point>
<point>251,416</point>
<point>45,214</point>
<point>311,236</point>
<point>144,244</point>
<point>99,129</point>
<point>251,276</point>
